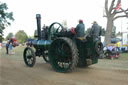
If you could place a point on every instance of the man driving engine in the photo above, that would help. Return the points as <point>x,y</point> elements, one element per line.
<point>80,29</point>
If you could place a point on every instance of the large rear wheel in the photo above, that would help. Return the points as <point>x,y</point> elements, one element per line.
<point>63,55</point>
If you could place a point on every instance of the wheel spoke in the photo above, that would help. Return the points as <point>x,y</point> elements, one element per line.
<point>62,55</point>
<point>57,30</point>
<point>29,61</point>
<point>27,53</point>
<point>62,64</point>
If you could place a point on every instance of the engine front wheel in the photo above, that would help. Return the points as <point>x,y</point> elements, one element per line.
<point>29,57</point>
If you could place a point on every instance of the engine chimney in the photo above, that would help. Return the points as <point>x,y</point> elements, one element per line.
<point>38,18</point>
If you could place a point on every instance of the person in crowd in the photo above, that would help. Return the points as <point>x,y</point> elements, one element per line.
<point>118,45</point>
<point>110,47</point>
<point>10,48</point>
<point>7,46</point>
<point>0,45</point>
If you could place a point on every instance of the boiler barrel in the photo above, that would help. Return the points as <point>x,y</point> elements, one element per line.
<point>42,44</point>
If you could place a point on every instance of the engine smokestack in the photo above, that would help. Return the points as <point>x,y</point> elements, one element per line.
<point>38,18</point>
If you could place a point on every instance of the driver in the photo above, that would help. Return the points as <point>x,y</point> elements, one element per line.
<point>80,29</point>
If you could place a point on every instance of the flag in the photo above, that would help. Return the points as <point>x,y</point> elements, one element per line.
<point>118,7</point>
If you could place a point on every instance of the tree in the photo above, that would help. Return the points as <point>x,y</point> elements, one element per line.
<point>113,31</point>
<point>87,32</point>
<point>112,13</point>
<point>35,34</point>
<point>1,38</point>
<point>119,34</point>
<point>10,35</point>
<point>21,36</point>
<point>102,31</point>
<point>4,17</point>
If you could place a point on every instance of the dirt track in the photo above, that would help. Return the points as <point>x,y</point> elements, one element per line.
<point>107,72</point>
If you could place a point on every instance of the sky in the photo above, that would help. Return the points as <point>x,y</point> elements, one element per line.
<point>25,11</point>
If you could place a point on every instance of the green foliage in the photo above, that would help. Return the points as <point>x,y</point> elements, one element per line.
<point>102,31</point>
<point>1,38</point>
<point>35,34</point>
<point>4,17</point>
<point>10,35</point>
<point>21,36</point>
<point>119,34</point>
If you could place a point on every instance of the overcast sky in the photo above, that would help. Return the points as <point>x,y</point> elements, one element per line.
<point>56,11</point>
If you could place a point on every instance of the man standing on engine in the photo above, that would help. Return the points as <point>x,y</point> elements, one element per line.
<point>95,31</point>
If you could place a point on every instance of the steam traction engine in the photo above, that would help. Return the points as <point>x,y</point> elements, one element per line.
<point>61,48</point>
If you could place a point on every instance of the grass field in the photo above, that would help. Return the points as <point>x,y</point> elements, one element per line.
<point>124,56</point>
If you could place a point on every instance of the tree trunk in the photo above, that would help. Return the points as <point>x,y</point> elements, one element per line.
<point>111,15</point>
<point>108,30</point>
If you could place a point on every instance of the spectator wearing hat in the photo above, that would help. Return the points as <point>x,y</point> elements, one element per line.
<point>95,31</point>
<point>80,29</point>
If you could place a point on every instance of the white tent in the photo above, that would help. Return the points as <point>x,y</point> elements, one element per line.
<point>125,39</point>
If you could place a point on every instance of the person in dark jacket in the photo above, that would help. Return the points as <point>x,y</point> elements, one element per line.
<point>80,29</point>
<point>7,46</point>
<point>95,31</point>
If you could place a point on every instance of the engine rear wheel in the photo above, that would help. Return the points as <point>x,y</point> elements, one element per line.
<point>29,57</point>
<point>99,47</point>
<point>63,55</point>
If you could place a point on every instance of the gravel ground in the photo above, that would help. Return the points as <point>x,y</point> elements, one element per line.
<point>14,72</point>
